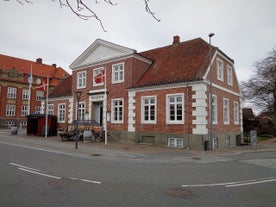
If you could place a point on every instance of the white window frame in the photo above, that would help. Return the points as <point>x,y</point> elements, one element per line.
<point>175,105</point>
<point>51,109</point>
<point>220,72</point>
<point>81,79</point>
<point>37,109</point>
<point>149,104</point>
<point>25,94</point>
<point>10,110</point>
<point>97,71</point>
<point>236,113</point>
<point>11,93</point>
<point>226,111</point>
<point>118,73</point>
<point>24,110</point>
<point>229,75</point>
<point>81,108</point>
<point>215,109</point>
<point>61,112</point>
<point>116,110</point>
<point>174,142</point>
<point>39,95</point>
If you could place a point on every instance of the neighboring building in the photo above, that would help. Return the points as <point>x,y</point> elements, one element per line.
<point>16,100</point>
<point>160,96</point>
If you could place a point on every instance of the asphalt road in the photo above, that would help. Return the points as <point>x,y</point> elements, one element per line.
<point>33,177</point>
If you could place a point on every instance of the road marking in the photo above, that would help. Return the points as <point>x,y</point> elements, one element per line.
<point>234,184</point>
<point>251,183</point>
<point>91,181</point>
<point>22,166</point>
<point>39,173</point>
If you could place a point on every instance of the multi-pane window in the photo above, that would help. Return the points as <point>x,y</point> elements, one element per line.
<point>175,108</point>
<point>149,109</point>
<point>175,142</point>
<point>219,69</point>
<point>81,79</point>
<point>11,93</point>
<point>51,109</point>
<point>118,73</point>
<point>236,112</point>
<point>226,119</point>
<point>81,110</point>
<point>99,76</point>
<point>10,110</point>
<point>37,109</point>
<point>117,110</point>
<point>25,94</point>
<point>24,110</point>
<point>229,75</point>
<point>61,112</point>
<point>39,95</point>
<point>215,109</point>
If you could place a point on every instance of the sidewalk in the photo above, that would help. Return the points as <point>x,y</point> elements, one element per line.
<point>128,151</point>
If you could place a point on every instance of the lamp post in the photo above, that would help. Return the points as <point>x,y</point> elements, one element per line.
<point>211,89</point>
<point>78,95</point>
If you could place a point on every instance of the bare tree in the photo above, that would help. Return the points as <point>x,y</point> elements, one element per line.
<point>84,11</point>
<point>260,89</point>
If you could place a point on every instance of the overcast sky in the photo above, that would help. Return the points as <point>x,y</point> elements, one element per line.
<point>244,29</point>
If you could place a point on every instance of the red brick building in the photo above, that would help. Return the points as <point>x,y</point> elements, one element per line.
<point>17,98</point>
<point>160,96</point>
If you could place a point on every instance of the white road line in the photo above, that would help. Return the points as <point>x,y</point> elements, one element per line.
<point>38,173</point>
<point>91,181</point>
<point>234,184</point>
<point>22,166</point>
<point>250,183</point>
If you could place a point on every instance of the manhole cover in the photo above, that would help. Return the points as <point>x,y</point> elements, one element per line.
<point>180,193</point>
<point>63,182</point>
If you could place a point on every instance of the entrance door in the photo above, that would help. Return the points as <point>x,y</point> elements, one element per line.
<point>98,112</point>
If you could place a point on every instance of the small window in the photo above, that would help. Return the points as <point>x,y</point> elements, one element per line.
<point>220,70</point>
<point>81,79</point>
<point>175,109</point>
<point>81,112</point>
<point>61,113</point>
<point>229,75</point>
<point>51,109</point>
<point>25,94</point>
<point>11,93</point>
<point>149,110</point>
<point>117,111</point>
<point>215,109</point>
<point>39,95</point>
<point>175,142</point>
<point>24,110</point>
<point>236,112</point>
<point>226,119</point>
<point>10,110</point>
<point>118,73</point>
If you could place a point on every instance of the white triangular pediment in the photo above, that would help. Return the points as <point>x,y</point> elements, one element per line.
<point>99,51</point>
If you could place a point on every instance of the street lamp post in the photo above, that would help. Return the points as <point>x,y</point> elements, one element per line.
<point>78,95</point>
<point>211,89</point>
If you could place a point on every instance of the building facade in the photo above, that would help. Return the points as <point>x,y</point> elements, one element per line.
<point>19,98</point>
<point>160,96</point>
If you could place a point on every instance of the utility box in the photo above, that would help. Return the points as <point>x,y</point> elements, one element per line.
<point>36,125</point>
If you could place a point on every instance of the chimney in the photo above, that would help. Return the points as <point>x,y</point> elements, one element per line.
<point>39,60</point>
<point>176,40</point>
<point>54,65</point>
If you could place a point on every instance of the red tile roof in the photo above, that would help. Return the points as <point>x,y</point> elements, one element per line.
<point>38,68</point>
<point>63,89</point>
<point>180,62</point>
